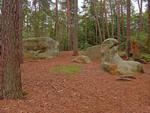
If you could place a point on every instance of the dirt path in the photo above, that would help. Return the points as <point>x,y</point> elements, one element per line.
<point>91,91</point>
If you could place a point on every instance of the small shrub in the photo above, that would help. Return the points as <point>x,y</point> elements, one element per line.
<point>146,57</point>
<point>84,45</point>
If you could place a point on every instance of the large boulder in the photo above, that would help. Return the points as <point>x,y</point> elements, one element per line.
<point>40,48</point>
<point>93,52</point>
<point>112,63</point>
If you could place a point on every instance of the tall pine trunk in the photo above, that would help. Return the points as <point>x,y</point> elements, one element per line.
<point>97,20</point>
<point>1,73</point>
<point>118,19</point>
<point>75,27</point>
<point>112,19</point>
<point>56,21</point>
<point>11,34</point>
<point>140,5</point>
<point>122,21</point>
<point>128,27</point>
<point>69,27</point>
<point>148,25</point>
<point>106,18</point>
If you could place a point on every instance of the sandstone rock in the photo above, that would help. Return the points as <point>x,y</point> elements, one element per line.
<point>112,63</point>
<point>93,52</point>
<point>82,59</point>
<point>40,48</point>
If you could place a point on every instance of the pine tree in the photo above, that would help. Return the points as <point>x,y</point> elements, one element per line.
<point>10,54</point>
<point>128,27</point>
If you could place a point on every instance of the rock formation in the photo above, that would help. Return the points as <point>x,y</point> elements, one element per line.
<point>82,59</point>
<point>40,48</point>
<point>112,63</point>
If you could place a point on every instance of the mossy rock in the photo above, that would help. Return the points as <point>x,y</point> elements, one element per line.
<point>40,48</point>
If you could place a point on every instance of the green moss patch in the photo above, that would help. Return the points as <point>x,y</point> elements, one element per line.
<point>66,69</point>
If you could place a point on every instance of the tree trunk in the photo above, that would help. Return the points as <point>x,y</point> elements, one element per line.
<point>75,27</point>
<point>69,27</point>
<point>1,73</point>
<point>96,33</point>
<point>97,20</point>
<point>140,5</point>
<point>11,76</point>
<point>20,46</point>
<point>128,27</point>
<point>149,25</point>
<point>35,23</point>
<point>122,21</point>
<point>103,27</point>
<point>112,19</point>
<point>118,19</point>
<point>56,21</point>
<point>106,19</point>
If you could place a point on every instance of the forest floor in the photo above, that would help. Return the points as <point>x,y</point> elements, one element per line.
<point>90,91</point>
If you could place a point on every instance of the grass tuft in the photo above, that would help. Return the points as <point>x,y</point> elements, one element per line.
<point>66,69</point>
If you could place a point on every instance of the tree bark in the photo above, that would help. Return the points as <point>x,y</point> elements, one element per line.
<point>11,76</point>
<point>1,71</point>
<point>103,27</point>
<point>118,19</point>
<point>75,27</point>
<point>128,28</point>
<point>122,21</point>
<point>69,27</point>
<point>20,27</point>
<point>35,23</point>
<point>97,21</point>
<point>140,5</point>
<point>112,19</point>
<point>148,25</point>
<point>56,21</point>
<point>106,19</point>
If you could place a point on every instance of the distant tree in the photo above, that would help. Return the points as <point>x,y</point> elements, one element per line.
<point>72,18</point>
<point>10,74</point>
<point>106,17</point>
<point>35,21</point>
<point>94,2</point>
<point>112,17</point>
<point>128,27</point>
<point>118,2</point>
<point>140,22</point>
<point>69,27</point>
<point>75,27</point>
<point>56,20</point>
<point>0,5</point>
<point>122,19</point>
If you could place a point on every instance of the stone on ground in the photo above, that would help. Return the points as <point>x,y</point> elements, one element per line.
<point>93,52</point>
<point>40,48</point>
<point>82,59</point>
<point>112,63</point>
